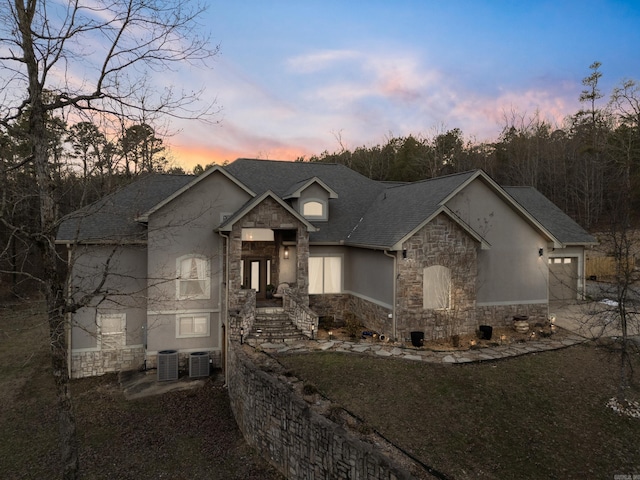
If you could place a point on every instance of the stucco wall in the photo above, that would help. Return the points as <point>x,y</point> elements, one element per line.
<point>123,270</point>
<point>369,275</point>
<point>296,439</point>
<point>511,271</point>
<point>185,226</point>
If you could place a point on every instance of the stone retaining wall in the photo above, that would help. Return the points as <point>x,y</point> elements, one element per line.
<point>292,434</point>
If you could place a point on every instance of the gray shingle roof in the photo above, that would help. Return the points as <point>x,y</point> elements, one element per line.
<point>366,212</point>
<point>548,214</point>
<point>400,209</point>
<point>112,218</point>
<point>356,192</point>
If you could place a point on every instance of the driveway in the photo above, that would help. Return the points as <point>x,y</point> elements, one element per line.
<point>593,319</point>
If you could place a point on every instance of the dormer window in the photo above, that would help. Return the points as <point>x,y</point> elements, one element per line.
<point>314,209</point>
<point>310,198</point>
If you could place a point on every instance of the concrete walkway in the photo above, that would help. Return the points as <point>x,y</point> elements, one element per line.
<point>479,354</point>
<point>593,319</point>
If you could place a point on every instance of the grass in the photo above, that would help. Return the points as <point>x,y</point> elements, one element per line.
<point>179,435</point>
<point>539,416</point>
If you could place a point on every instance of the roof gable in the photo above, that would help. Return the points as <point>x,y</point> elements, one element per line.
<point>401,209</point>
<point>299,187</point>
<point>215,169</point>
<point>228,224</point>
<point>355,192</point>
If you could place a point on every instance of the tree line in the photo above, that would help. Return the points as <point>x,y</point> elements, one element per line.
<point>85,162</point>
<point>586,166</point>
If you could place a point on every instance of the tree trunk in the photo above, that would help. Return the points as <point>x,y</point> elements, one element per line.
<point>52,284</point>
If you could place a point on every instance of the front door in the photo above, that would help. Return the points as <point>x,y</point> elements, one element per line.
<point>257,275</point>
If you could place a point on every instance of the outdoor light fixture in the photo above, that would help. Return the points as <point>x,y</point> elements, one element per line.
<point>241,335</point>
<point>503,338</point>
<point>286,252</point>
<point>541,251</point>
<point>404,253</point>
<point>472,343</point>
<point>330,335</point>
<point>312,328</point>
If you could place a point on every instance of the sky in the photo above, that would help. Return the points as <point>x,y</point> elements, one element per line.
<point>298,77</point>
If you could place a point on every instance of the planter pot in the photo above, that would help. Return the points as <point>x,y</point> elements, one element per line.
<point>417,339</point>
<point>521,326</point>
<point>486,331</point>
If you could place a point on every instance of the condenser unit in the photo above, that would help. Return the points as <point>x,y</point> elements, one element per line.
<point>199,364</point>
<point>167,365</point>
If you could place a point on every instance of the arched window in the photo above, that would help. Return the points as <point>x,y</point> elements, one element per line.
<point>193,277</point>
<point>314,209</point>
<point>436,283</point>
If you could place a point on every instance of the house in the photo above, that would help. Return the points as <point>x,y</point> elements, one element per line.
<point>181,263</point>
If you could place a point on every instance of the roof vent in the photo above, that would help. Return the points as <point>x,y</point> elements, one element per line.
<point>167,365</point>
<point>198,364</point>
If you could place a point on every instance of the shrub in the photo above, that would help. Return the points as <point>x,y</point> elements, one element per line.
<point>352,324</point>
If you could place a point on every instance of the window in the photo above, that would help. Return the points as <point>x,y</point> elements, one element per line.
<point>111,328</point>
<point>565,260</point>
<point>325,275</point>
<point>436,287</point>
<point>196,325</point>
<point>314,209</point>
<point>193,278</point>
<point>257,235</point>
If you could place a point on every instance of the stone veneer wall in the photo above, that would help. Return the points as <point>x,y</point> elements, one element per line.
<point>502,315</point>
<point>95,363</point>
<point>98,362</point>
<point>440,242</point>
<point>374,317</point>
<point>300,442</point>
<point>268,214</point>
<point>299,312</point>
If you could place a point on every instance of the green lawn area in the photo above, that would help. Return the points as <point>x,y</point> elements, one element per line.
<point>539,416</point>
<point>178,435</point>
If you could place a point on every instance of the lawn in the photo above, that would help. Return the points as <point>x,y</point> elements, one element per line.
<point>538,416</point>
<point>178,435</point>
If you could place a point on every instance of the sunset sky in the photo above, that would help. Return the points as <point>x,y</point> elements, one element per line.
<point>294,77</point>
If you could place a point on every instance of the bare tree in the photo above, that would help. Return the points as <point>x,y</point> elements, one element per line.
<point>60,59</point>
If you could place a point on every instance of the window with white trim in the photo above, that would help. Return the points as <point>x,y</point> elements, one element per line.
<point>325,274</point>
<point>111,330</point>
<point>193,278</point>
<point>314,209</point>
<point>192,325</point>
<point>436,284</point>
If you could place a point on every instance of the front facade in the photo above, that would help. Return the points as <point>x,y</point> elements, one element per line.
<point>180,263</point>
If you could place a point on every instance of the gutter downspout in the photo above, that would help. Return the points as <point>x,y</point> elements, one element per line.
<point>394,325</point>
<point>226,306</point>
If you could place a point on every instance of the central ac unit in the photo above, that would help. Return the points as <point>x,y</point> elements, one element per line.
<point>167,365</point>
<point>199,364</point>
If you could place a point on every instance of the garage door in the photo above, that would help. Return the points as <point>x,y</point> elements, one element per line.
<point>563,278</point>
